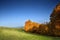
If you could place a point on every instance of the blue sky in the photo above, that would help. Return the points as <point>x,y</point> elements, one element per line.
<point>14,13</point>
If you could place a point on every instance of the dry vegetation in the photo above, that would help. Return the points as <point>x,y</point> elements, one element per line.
<point>51,28</point>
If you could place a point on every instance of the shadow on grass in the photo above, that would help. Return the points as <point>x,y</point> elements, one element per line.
<point>56,38</point>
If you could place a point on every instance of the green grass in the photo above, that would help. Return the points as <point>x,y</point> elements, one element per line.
<point>13,34</point>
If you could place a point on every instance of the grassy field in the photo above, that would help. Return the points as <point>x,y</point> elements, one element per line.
<point>14,34</point>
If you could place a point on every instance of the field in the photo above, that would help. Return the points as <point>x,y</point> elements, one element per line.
<point>15,34</point>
